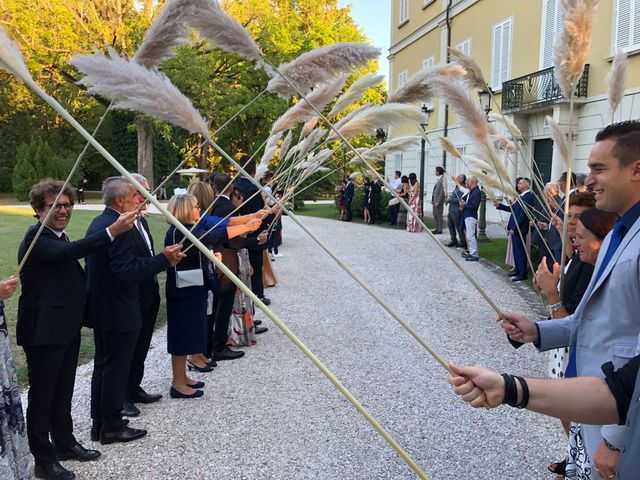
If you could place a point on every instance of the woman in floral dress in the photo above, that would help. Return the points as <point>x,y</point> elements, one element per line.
<point>414,203</point>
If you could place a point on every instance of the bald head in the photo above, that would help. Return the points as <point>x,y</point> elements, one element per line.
<point>472,181</point>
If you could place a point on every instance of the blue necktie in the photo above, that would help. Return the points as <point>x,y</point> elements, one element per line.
<point>616,238</point>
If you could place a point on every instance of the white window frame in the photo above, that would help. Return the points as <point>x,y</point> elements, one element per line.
<point>465,46</point>
<point>429,62</point>
<point>403,77</point>
<point>546,62</point>
<point>426,3</point>
<point>633,42</point>
<point>505,61</point>
<point>397,161</point>
<point>403,16</point>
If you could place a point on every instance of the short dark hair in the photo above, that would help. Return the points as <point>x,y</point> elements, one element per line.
<point>221,182</point>
<point>440,170</point>
<point>404,179</point>
<point>627,137</point>
<point>583,199</point>
<point>598,222</point>
<point>248,163</point>
<point>44,188</point>
<point>398,173</point>
<point>563,178</point>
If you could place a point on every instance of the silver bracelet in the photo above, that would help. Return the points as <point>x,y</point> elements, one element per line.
<point>556,307</point>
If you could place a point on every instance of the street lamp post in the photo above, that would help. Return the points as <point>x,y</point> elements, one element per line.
<point>427,113</point>
<point>485,102</point>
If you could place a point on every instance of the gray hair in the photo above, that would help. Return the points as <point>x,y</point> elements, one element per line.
<point>552,188</point>
<point>114,187</point>
<point>140,178</point>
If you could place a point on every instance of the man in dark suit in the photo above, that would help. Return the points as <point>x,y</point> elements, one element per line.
<point>469,205</point>
<point>254,203</point>
<point>348,198</point>
<point>519,227</point>
<point>149,305</point>
<point>114,312</point>
<point>223,301</point>
<point>50,313</point>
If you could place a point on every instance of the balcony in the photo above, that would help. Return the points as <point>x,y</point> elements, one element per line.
<point>538,89</point>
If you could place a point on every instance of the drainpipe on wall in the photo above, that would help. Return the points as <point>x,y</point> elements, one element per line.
<point>446,107</point>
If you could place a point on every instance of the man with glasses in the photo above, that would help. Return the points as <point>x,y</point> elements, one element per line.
<point>50,314</point>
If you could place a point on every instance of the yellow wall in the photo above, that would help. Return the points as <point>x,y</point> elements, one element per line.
<point>418,16</point>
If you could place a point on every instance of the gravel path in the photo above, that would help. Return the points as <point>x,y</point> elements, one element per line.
<point>273,415</point>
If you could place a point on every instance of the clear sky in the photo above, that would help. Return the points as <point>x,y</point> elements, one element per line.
<point>373,17</point>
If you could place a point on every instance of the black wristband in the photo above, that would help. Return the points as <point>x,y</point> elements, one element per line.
<point>510,390</point>
<point>525,393</point>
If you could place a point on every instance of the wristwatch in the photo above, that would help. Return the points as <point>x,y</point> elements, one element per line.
<point>555,307</point>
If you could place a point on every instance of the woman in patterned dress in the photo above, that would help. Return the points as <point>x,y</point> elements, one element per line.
<point>16,462</point>
<point>414,203</point>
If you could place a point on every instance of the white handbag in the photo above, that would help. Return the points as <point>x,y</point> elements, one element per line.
<point>189,278</point>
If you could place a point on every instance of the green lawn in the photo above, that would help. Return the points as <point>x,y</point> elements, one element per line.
<point>12,229</point>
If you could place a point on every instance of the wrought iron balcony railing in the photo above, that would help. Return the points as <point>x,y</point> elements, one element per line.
<point>538,89</point>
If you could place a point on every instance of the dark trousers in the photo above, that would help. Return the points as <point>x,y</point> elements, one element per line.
<point>347,208</point>
<point>114,352</point>
<point>52,374</point>
<point>453,223</point>
<point>519,255</point>
<point>255,259</point>
<point>374,208</point>
<point>222,309</point>
<point>136,372</point>
<point>394,213</point>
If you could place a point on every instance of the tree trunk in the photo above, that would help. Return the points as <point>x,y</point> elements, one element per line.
<point>145,150</point>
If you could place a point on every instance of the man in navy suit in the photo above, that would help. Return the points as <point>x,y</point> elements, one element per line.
<point>519,227</point>
<point>468,205</point>
<point>113,278</point>
<point>50,313</point>
<point>348,198</point>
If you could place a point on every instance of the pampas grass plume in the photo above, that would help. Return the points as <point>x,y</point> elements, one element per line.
<point>470,114</point>
<point>511,126</point>
<point>11,57</point>
<point>418,88</point>
<point>286,143</point>
<point>391,114</point>
<point>355,92</point>
<point>449,147</point>
<point>131,86</point>
<point>559,139</point>
<point>320,65</point>
<point>616,80</point>
<point>473,76</point>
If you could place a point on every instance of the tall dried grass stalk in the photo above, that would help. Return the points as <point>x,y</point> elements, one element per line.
<point>449,147</point>
<point>511,126</point>
<point>303,110</point>
<point>379,152</point>
<point>269,151</point>
<point>503,143</point>
<point>350,115</point>
<point>286,143</point>
<point>11,57</point>
<point>473,77</point>
<point>573,43</point>
<point>309,126</point>
<point>321,65</point>
<point>131,86</point>
<point>470,114</point>
<point>418,88</point>
<point>310,142</point>
<point>559,139</point>
<point>616,81</point>
<point>355,92</point>
<point>390,114</point>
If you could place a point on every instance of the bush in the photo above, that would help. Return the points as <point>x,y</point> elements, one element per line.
<point>35,161</point>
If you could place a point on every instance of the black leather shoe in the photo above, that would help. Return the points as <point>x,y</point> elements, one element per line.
<point>173,393</point>
<point>452,244</point>
<point>127,434</point>
<point>130,410</point>
<point>143,397</point>
<point>96,427</point>
<point>518,278</point>
<point>76,452</point>
<point>260,330</point>
<point>206,369</point>
<point>265,300</point>
<point>53,471</point>
<point>212,363</point>
<point>257,322</point>
<point>228,354</point>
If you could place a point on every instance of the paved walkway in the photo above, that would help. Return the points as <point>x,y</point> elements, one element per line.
<point>272,414</point>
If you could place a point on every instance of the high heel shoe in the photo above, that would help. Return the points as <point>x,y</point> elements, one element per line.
<point>173,393</point>
<point>193,366</point>
<point>196,385</point>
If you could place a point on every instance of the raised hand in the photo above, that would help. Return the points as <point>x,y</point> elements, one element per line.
<point>173,254</point>
<point>8,286</point>
<point>518,327</point>
<point>124,223</point>
<point>547,281</point>
<point>478,386</point>
<point>262,238</point>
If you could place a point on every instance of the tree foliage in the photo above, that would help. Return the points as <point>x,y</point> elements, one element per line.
<point>49,32</point>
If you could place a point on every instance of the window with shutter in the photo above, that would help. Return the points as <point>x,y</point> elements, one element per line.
<point>428,62</point>
<point>465,46</point>
<point>402,78</point>
<point>501,54</point>
<point>551,25</point>
<point>404,11</point>
<point>627,25</point>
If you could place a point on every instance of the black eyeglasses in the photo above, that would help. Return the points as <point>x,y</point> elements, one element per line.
<point>59,206</point>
